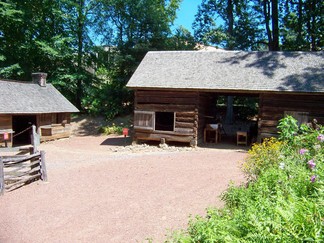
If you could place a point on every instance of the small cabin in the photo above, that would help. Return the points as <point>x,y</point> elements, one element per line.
<point>175,91</point>
<point>23,104</point>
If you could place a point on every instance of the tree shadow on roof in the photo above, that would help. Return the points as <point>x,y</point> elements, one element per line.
<point>311,80</point>
<point>270,63</point>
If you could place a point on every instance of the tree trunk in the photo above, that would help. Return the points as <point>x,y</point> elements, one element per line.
<point>300,25</point>
<point>229,110</point>
<point>79,92</point>
<point>266,13</point>
<point>275,25</point>
<point>230,29</point>
<point>313,25</point>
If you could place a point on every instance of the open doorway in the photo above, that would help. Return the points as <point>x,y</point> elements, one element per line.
<point>243,109</point>
<point>20,125</point>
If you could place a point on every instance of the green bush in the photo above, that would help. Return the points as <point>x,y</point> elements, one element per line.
<point>284,201</point>
<point>112,129</point>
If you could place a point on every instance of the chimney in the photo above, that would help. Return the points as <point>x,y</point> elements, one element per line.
<point>39,78</point>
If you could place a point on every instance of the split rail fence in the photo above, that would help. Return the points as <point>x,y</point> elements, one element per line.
<point>19,170</point>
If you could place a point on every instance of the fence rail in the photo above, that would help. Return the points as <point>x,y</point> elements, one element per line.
<point>19,170</point>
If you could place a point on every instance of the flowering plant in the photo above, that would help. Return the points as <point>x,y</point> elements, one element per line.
<point>283,199</point>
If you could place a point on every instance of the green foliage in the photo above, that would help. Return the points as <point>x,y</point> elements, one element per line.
<point>288,129</point>
<point>113,129</point>
<point>261,25</point>
<point>229,24</point>
<point>59,37</point>
<point>285,203</point>
<point>115,126</point>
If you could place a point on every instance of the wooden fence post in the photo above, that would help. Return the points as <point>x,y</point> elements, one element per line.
<point>2,183</point>
<point>35,139</point>
<point>43,166</point>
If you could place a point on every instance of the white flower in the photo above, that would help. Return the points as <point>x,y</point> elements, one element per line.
<point>282,165</point>
<point>317,146</point>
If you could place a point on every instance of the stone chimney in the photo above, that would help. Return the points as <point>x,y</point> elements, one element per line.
<point>39,78</point>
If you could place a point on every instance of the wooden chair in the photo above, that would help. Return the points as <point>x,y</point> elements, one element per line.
<point>212,133</point>
<point>241,138</point>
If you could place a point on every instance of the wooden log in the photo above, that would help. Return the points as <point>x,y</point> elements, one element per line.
<point>16,176</point>
<point>164,108</point>
<point>299,108</point>
<point>184,125</point>
<point>139,130</point>
<point>166,100</point>
<point>35,139</point>
<point>268,123</point>
<point>188,131</point>
<point>296,98</point>
<point>271,116</point>
<point>14,160</point>
<point>157,137</point>
<point>19,167</point>
<point>21,183</point>
<point>185,114</point>
<point>185,119</point>
<point>55,136</point>
<point>155,93</point>
<point>292,104</point>
<point>273,130</point>
<point>2,184</point>
<point>43,166</point>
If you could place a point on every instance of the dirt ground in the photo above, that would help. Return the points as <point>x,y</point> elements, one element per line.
<point>102,189</point>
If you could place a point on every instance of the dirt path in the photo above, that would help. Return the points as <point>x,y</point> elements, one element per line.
<point>101,191</point>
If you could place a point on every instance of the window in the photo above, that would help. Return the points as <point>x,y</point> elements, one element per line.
<point>144,120</point>
<point>164,121</point>
<point>301,117</point>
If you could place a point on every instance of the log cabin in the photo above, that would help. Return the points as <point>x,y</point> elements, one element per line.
<point>175,90</point>
<point>38,103</point>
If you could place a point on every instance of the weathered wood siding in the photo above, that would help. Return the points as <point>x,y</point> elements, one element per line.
<point>51,126</point>
<point>5,123</point>
<point>54,126</point>
<point>274,106</point>
<point>185,108</point>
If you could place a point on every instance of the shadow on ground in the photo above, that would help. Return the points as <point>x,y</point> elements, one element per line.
<point>117,141</point>
<point>227,142</point>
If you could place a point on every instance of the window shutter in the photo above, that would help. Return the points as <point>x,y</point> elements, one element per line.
<point>144,120</point>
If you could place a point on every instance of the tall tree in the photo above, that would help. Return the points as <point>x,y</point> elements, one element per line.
<point>77,27</point>
<point>249,25</point>
<point>32,35</point>
<point>129,29</point>
<point>271,22</point>
<point>230,24</point>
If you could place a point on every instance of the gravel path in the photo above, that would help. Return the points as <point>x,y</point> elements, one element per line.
<point>101,191</point>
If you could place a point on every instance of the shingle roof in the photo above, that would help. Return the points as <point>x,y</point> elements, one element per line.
<point>30,98</point>
<point>231,71</point>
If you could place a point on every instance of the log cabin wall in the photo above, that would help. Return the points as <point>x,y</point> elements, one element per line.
<point>54,126</point>
<point>51,126</point>
<point>53,118</point>
<point>183,104</point>
<point>273,107</point>
<point>5,124</point>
